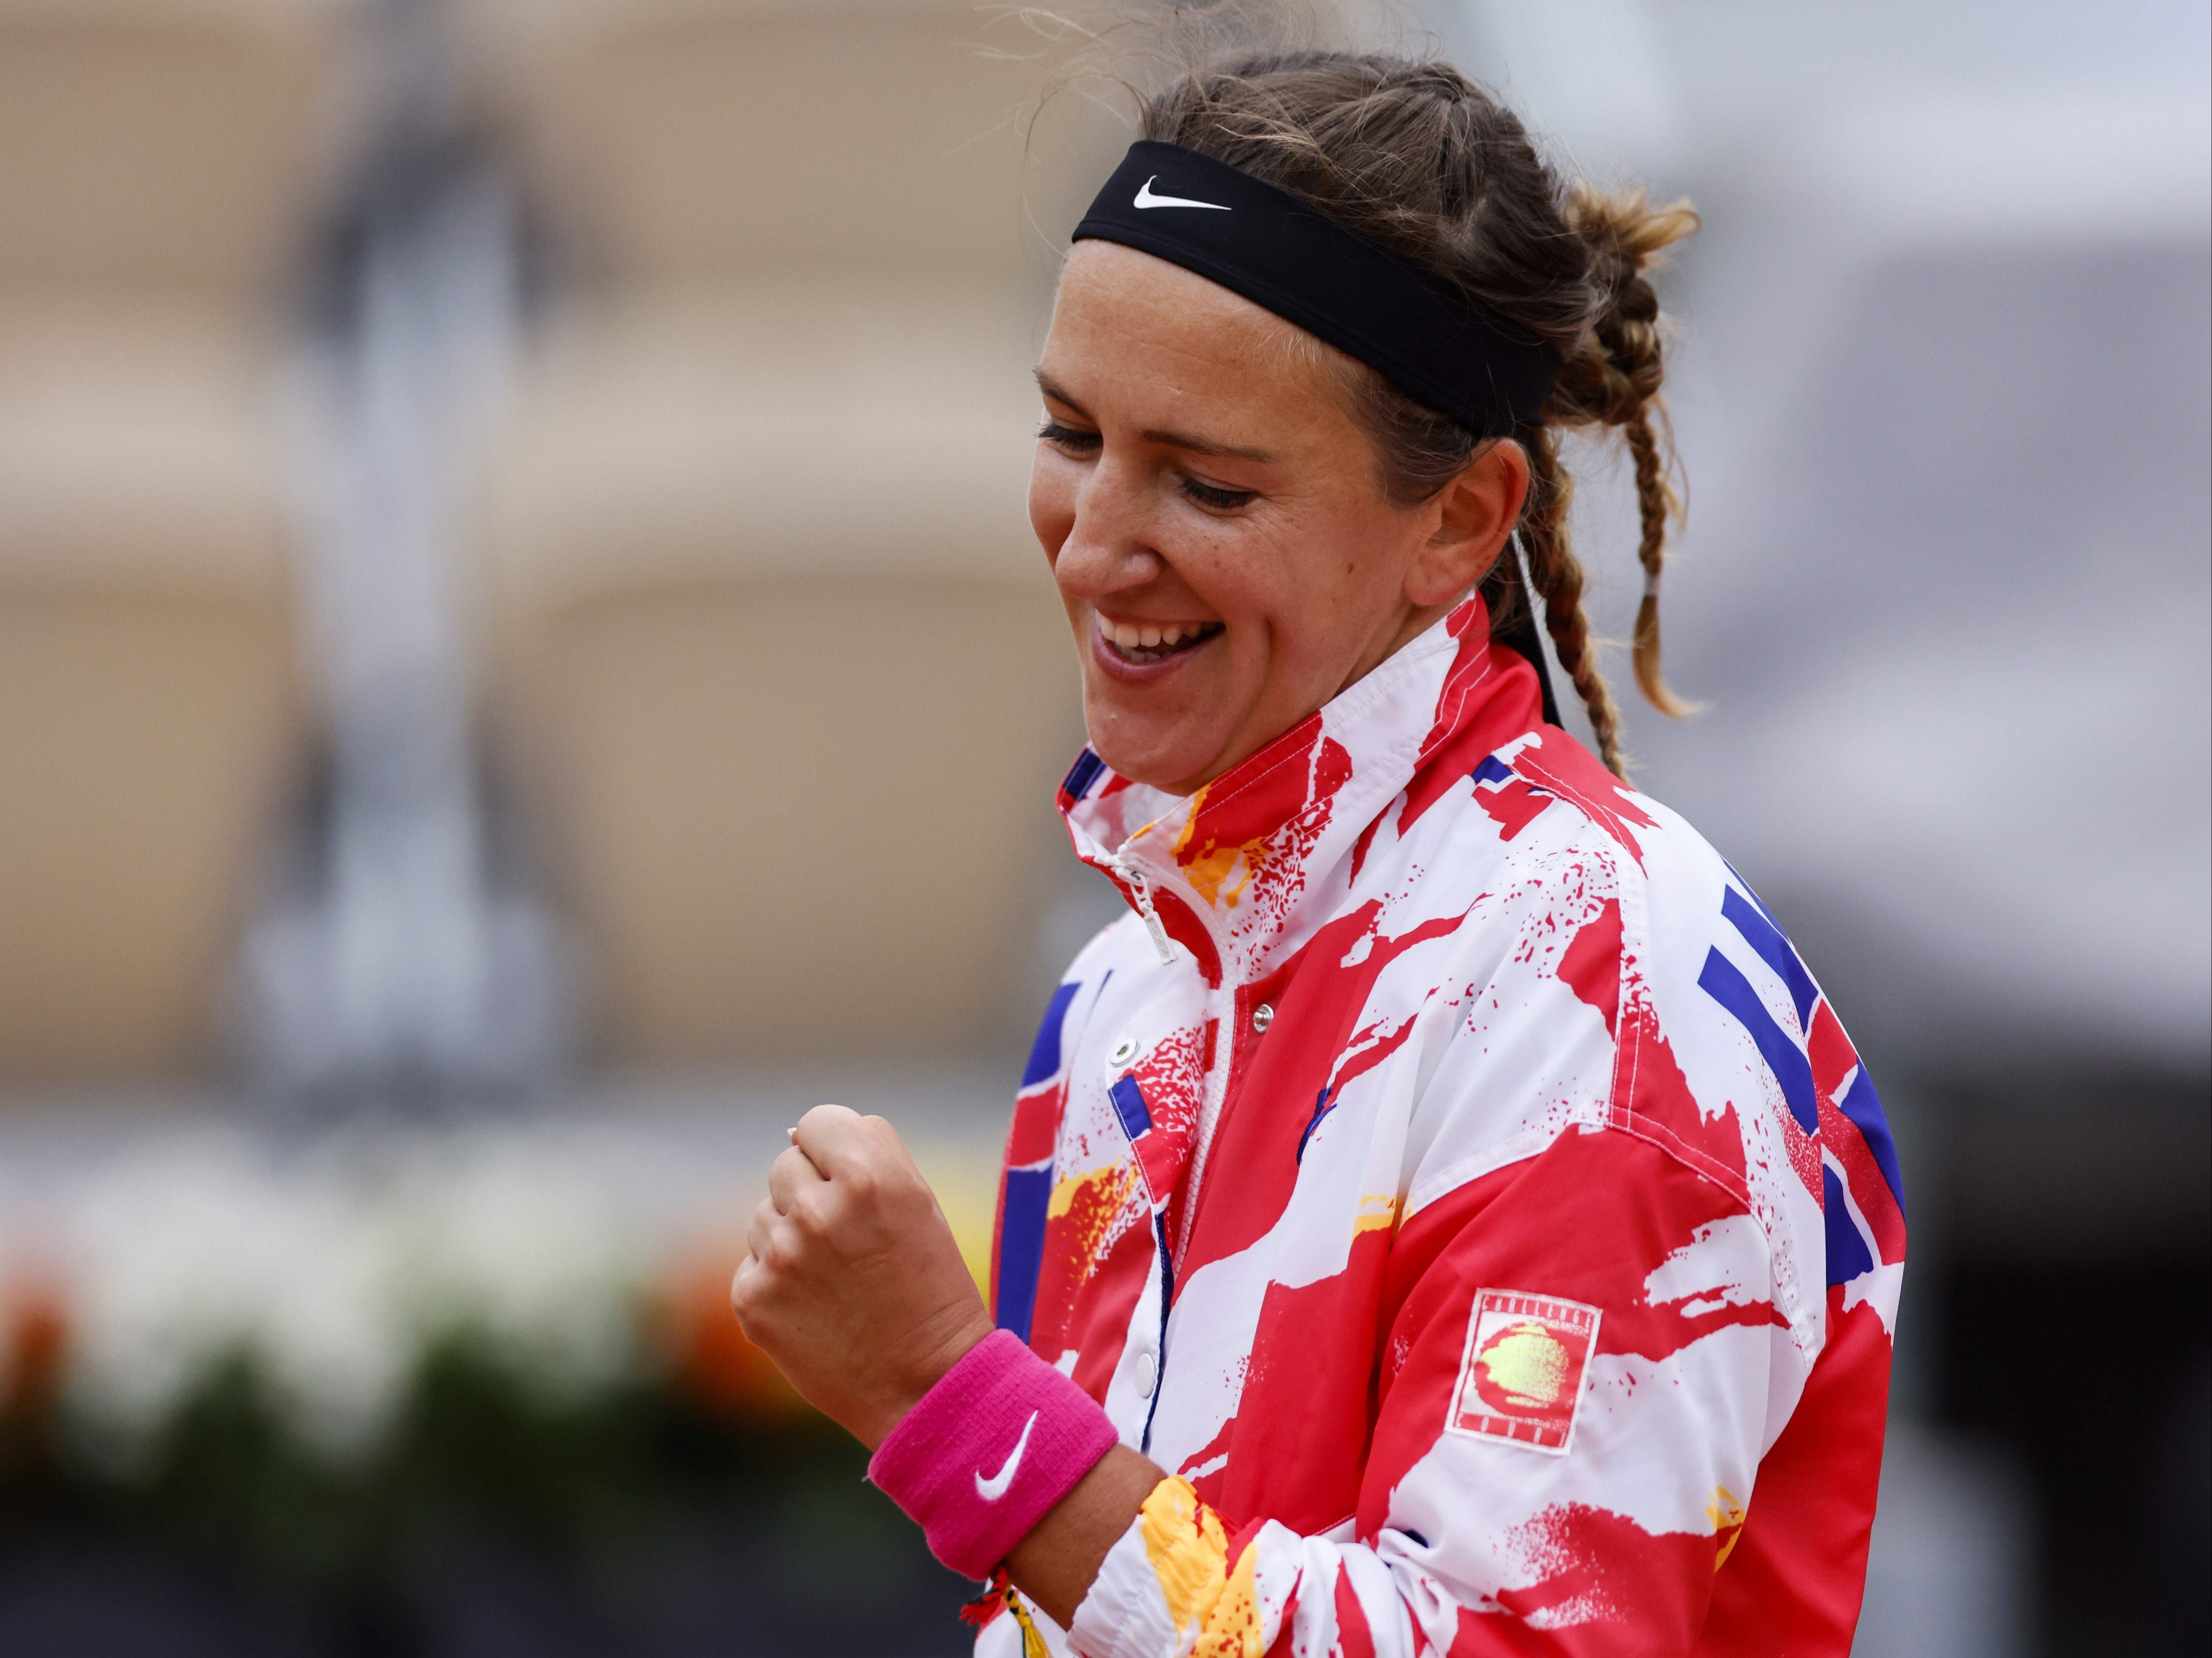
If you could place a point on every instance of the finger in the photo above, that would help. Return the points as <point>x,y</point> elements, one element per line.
<point>760,1230</point>
<point>830,1135</point>
<point>889,1142</point>
<point>846,1145</point>
<point>791,1173</point>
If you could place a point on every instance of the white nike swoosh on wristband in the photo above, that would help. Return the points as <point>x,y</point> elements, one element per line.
<point>993,1489</point>
<point>1145,198</point>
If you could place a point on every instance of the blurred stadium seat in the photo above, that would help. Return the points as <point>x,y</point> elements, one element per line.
<point>156,159</point>
<point>773,639</point>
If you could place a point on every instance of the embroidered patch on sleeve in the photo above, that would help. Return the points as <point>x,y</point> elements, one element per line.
<point>1528,1357</point>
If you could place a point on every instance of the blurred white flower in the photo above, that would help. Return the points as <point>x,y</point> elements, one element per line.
<point>336,1270</point>
<point>190,1250</point>
<point>531,1244</point>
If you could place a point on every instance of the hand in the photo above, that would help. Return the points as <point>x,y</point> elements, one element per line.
<point>854,1285</point>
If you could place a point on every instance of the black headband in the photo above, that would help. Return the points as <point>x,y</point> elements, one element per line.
<point>1408,324</point>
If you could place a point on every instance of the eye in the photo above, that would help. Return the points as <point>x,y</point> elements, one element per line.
<point>1213,497</point>
<point>1071,438</point>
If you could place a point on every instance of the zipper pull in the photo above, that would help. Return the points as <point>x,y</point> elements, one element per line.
<point>1128,869</point>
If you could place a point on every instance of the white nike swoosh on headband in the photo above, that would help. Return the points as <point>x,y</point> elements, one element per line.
<point>993,1489</point>
<point>1145,198</point>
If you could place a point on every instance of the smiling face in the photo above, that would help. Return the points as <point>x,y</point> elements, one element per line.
<point>1217,523</point>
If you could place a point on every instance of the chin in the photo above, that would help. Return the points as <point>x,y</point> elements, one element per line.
<point>1162,763</point>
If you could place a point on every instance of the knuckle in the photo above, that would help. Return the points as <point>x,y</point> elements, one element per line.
<point>748,1291</point>
<point>863,1183</point>
<point>780,1253</point>
<point>753,1323</point>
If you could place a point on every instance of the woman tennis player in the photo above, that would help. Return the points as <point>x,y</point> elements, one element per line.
<point>1444,1215</point>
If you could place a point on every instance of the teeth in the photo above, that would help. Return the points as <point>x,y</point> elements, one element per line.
<point>1150,636</point>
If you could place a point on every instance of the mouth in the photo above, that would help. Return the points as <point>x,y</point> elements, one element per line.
<point>1140,644</point>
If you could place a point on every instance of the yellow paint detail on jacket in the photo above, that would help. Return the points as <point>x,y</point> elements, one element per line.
<point>1189,1552</point>
<point>1378,1211</point>
<point>1087,1205</point>
<point>1108,1185</point>
<point>1727,1515</point>
<point>1217,1605</point>
<point>1211,870</point>
<point>1196,804</point>
<point>1233,1628</point>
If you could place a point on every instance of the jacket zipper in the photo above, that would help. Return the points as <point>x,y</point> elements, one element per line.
<point>1140,890</point>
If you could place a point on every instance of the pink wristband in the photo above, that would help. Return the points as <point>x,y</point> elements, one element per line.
<point>998,1440</point>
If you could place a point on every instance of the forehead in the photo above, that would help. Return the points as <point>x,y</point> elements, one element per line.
<point>1135,326</point>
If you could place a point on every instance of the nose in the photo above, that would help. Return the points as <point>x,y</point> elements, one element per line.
<point>1108,548</point>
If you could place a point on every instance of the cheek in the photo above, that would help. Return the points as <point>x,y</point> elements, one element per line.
<point>1235,571</point>
<point>1288,574</point>
<point>1321,601</point>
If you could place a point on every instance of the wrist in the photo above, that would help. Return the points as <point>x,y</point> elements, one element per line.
<point>935,1357</point>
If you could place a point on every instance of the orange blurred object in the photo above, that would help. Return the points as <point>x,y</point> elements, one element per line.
<point>37,1342</point>
<point>708,1350</point>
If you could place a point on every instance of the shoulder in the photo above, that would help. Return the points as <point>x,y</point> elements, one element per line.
<point>1624,966</point>
<point>1563,876</point>
<point>1727,1055</point>
<point>1572,848</point>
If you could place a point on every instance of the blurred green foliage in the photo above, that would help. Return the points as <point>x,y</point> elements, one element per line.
<point>647,1519</point>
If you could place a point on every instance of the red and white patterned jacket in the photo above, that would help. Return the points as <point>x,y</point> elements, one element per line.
<point>1449,1172</point>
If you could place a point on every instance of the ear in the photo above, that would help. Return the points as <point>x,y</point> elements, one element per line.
<point>1472,515</point>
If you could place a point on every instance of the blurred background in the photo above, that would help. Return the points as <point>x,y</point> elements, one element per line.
<point>522,667</point>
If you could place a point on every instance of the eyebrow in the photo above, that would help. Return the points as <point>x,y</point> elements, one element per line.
<point>1168,439</point>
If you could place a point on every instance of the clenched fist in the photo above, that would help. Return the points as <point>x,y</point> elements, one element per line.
<point>854,1285</point>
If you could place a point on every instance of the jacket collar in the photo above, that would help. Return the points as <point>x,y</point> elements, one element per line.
<point>1239,872</point>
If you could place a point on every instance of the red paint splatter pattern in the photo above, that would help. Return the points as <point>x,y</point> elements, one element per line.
<point>1434,1048</point>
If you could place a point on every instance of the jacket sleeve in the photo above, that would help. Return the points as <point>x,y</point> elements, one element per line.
<point>1578,1356</point>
